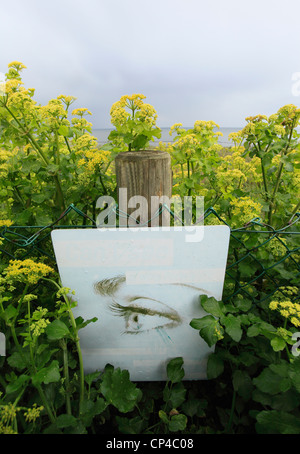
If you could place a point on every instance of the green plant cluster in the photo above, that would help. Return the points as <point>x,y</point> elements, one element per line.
<point>45,388</point>
<point>49,161</point>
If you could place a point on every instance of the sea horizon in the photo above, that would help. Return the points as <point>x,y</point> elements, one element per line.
<point>103,133</point>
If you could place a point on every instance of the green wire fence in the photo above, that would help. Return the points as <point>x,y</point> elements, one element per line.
<point>261,259</point>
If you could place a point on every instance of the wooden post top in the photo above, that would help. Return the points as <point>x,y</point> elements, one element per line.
<point>142,154</point>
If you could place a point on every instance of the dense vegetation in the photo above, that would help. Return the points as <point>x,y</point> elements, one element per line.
<point>49,159</point>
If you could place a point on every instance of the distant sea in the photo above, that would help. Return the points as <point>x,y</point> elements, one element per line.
<point>102,135</point>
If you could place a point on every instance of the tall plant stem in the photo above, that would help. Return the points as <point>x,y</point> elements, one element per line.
<point>278,177</point>
<point>45,403</point>
<point>81,394</point>
<point>66,375</point>
<point>76,339</point>
<point>296,209</point>
<point>44,158</point>
<point>231,412</point>
<point>263,171</point>
<point>31,366</point>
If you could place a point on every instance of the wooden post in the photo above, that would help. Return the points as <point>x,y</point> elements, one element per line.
<point>145,173</point>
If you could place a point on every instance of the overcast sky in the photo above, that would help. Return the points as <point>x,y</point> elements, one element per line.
<point>220,60</point>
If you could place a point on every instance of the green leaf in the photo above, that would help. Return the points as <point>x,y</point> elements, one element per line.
<point>294,373</point>
<point>17,384</point>
<point>243,305</point>
<point>49,374</point>
<point>246,269</point>
<point>175,395</point>
<point>212,306</point>
<point>175,372</point>
<point>162,415</point>
<point>130,425</point>
<point>63,130</point>
<point>215,366</point>
<point>242,383</point>
<point>44,355</point>
<point>17,360</point>
<point>65,420</point>
<point>277,422</point>
<point>39,198</point>
<point>80,323</point>
<point>209,329</point>
<point>278,343</point>
<point>9,313</point>
<point>118,390</point>
<point>177,423</point>
<point>271,382</point>
<point>194,406</point>
<point>52,168</point>
<point>90,409</point>
<point>57,330</point>
<point>261,328</point>
<point>89,378</point>
<point>233,327</point>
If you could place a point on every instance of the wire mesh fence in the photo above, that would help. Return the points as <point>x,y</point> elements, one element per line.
<point>262,261</point>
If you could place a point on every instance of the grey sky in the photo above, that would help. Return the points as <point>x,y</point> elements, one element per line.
<point>220,60</point>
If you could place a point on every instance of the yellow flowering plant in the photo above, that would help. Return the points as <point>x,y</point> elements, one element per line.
<point>135,123</point>
<point>49,158</point>
<point>274,142</point>
<point>194,155</point>
<point>31,327</point>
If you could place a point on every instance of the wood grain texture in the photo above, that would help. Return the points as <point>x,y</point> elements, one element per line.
<point>144,173</point>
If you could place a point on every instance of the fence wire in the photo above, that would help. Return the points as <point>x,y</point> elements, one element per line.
<point>262,261</point>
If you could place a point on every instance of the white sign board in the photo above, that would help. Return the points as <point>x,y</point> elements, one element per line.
<point>143,285</point>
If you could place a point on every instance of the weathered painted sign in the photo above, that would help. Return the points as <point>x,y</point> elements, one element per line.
<point>143,285</point>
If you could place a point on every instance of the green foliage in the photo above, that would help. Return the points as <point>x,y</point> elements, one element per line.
<point>135,123</point>
<point>118,390</point>
<point>47,159</point>
<point>47,162</point>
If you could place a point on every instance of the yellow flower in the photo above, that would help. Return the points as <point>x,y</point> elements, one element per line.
<point>286,307</point>
<point>6,430</point>
<point>282,332</point>
<point>8,413</point>
<point>244,210</point>
<point>280,130</point>
<point>273,305</point>
<point>5,222</point>
<point>249,129</point>
<point>81,123</point>
<point>38,327</point>
<point>33,413</point>
<point>132,101</point>
<point>29,297</point>
<point>276,247</point>
<point>12,85</point>
<point>256,118</point>
<point>175,127</point>
<point>295,321</point>
<point>201,124</point>
<point>138,110</point>
<point>67,99</point>
<point>235,137</point>
<point>85,142</point>
<point>218,334</point>
<point>81,111</point>
<point>284,313</point>
<point>16,65</point>
<point>119,116</point>
<point>147,113</point>
<point>26,271</point>
<point>272,117</point>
